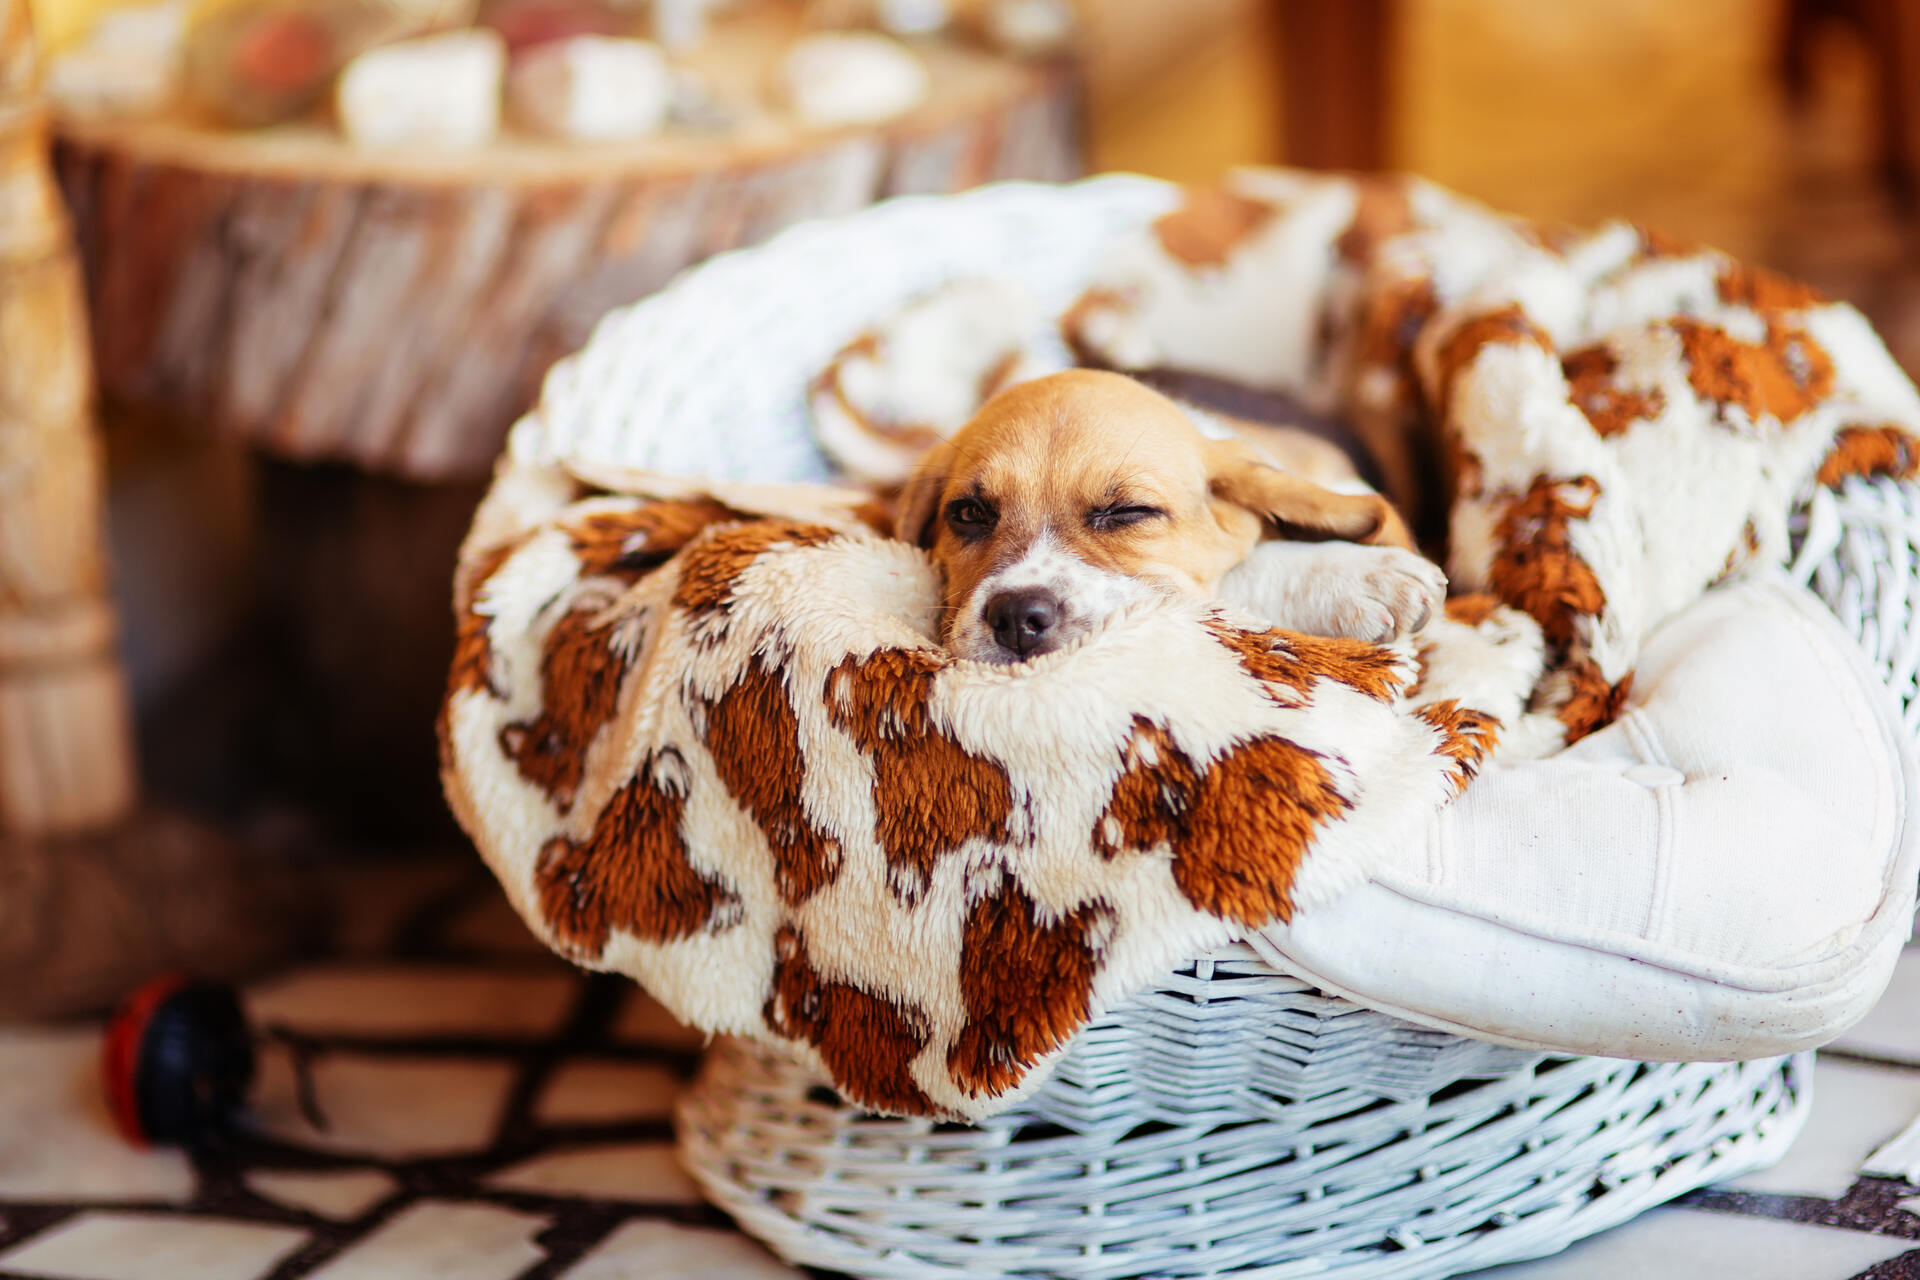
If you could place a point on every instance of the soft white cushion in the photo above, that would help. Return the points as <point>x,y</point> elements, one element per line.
<point>1726,872</point>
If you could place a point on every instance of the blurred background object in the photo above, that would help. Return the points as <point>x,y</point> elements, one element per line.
<point>1782,130</point>
<point>308,349</point>
<point>95,892</point>
<point>66,757</point>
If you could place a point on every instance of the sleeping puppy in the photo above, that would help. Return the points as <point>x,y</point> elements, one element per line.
<point>1069,497</point>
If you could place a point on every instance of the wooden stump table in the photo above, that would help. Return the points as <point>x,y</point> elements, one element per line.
<point>397,311</point>
<point>394,312</point>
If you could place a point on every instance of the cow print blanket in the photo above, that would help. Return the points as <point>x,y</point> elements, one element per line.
<point>705,736</point>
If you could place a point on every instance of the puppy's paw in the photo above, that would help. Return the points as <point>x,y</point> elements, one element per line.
<point>1389,593</point>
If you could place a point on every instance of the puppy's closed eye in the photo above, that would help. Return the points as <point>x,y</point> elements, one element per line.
<point>1116,516</point>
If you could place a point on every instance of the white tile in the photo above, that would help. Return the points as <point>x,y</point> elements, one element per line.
<point>340,1194</point>
<point>151,1246</point>
<point>1855,1109</point>
<point>669,1251</point>
<point>642,1020</point>
<point>601,1092</point>
<point>1892,1029</point>
<point>1686,1244</point>
<point>443,1242</point>
<point>642,1171</point>
<point>57,1141</point>
<point>415,1000</point>
<point>399,1107</point>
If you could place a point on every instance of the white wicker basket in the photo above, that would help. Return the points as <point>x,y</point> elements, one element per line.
<point>1234,1120</point>
<point>1345,1182</point>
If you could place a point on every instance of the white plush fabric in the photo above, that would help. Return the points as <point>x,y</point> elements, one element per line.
<point>603,637</point>
<point>1727,871</point>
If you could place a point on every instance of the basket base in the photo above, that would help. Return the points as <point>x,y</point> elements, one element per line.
<point>1483,1172</point>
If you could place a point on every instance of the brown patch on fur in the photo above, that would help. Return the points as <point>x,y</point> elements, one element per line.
<point>472,668</point>
<point>930,795</point>
<point>1238,832</point>
<point>998,377</point>
<point>754,738</point>
<point>1391,325</point>
<point>1593,703</point>
<point>580,677</point>
<point>1609,409</point>
<point>1466,736</point>
<point>1658,244</point>
<point>867,1041</point>
<point>1074,323</point>
<point>710,565</point>
<point>1464,476</point>
<point>1740,284</point>
<point>908,435</point>
<point>1422,667</point>
<point>1883,450</point>
<point>472,652</point>
<point>1535,568</point>
<point>632,873</point>
<point>1156,785</point>
<point>1509,326</point>
<point>1473,609</point>
<point>876,513</point>
<point>631,544</point>
<point>1384,210</point>
<point>1782,378</point>
<point>1298,661</point>
<point>1742,553</point>
<point>472,655</point>
<point>1204,231</point>
<point>1027,986</point>
<point>1248,827</point>
<point>1555,237</point>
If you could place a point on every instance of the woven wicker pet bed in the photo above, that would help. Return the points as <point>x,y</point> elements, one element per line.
<point>1385,1078</point>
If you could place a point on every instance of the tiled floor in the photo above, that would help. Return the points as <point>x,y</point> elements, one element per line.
<point>492,1116</point>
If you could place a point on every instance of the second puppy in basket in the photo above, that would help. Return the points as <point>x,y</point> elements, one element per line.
<point>1068,497</point>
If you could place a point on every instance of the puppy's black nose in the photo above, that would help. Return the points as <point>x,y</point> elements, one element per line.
<point>1021,619</point>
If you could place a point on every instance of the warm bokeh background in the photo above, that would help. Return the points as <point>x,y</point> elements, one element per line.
<point>1672,113</point>
<point>1767,127</point>
<point>1761,126</point>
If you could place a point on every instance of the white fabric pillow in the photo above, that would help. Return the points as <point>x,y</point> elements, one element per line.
<point>1726,872</point>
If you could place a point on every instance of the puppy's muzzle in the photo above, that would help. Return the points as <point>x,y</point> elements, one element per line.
<point>1024,621</point>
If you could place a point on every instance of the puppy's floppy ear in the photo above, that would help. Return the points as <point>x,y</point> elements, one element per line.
<point>917,508</point>
<point>1236,474</point>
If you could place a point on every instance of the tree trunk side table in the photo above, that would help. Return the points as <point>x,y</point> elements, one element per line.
<point>397,311</point>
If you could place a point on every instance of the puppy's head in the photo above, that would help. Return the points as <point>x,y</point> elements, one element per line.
<point>1068,497</point>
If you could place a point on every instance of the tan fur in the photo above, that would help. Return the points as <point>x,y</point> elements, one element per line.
<point>930,795</point>
<point>1027,984</point>
<point>866,1040</point>
<point>631,873</point>
<point>1045,453</point>
<point>1883,449</point>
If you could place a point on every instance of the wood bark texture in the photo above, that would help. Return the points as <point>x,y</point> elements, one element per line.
<point>332,305</point>
<point>66,758</point>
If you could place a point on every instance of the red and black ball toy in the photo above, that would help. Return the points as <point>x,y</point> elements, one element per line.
<point>177,1062</point>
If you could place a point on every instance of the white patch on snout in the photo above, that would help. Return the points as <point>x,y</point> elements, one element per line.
<point>1087,596</point>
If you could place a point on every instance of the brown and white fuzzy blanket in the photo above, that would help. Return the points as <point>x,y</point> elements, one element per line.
<point>704,734</point>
